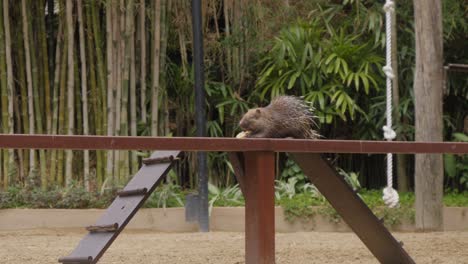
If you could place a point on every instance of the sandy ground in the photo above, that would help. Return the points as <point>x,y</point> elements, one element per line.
<point>46,246</point>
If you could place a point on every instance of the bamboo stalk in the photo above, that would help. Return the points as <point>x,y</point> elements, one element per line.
<point>21,158</point>
<point>55,98</point>
<point>125,20</point>
<point>61,124</point>
<point>32,157</point>
<point>77,172</point>
<point>162,82</point>
<point>45,65</point>
<point>133,100</point>
<point>127,80</point>
<point>142,34</point>
<point>23,90</point>
<point>156,69</point>
<point>70,88</point>
<point>98,88</point>
<point>4,101</point>
<point>118,51</point>
<point>11,168</point>
<point>111,85</point>
<point>95,105</point>
<point>84,92</point>
<point>227,29</point>
<point>101,76</point>
<point>50,30</point>
<point>181,27</point>
<point>37,97</point>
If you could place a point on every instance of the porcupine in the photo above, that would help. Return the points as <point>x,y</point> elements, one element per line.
<point>285,116</point>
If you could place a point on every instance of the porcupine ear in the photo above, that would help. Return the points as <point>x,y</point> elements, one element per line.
<point>258,112</point>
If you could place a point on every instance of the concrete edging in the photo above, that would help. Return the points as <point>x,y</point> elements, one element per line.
<point>228,219</point>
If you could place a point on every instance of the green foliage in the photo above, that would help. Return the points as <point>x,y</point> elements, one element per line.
<point>456,166</point>
<point>299,206</point>
<point>328,68</point>
<point>165,195</point>
<point>230,196</point>
<point>70,198</point>
<point>457,199</point>
<point>352,178</point>
<point>292,187</point>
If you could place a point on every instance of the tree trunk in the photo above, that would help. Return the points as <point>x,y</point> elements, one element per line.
<point>84,92</point>
<point>428,86</point>
<point>70,88</point>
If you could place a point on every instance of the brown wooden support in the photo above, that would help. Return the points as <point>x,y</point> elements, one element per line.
<point>237,162</point>
<point>352,209</point>
<point>259,192</point>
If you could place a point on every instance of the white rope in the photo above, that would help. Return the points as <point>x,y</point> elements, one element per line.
<point>390,195</point>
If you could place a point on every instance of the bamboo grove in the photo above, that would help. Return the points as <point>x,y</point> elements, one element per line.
<point>124,67</point>
<point>95,68</point>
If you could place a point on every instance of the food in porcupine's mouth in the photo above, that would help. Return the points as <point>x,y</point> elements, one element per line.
<point>243,134</point>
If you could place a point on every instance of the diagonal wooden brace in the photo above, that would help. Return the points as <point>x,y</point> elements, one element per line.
<point>352,209</point>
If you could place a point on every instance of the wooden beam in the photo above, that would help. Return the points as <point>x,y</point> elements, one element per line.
<point>18,141</point>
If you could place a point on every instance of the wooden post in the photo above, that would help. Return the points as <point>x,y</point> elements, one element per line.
<point>259,194</point>
<point>428,84</point>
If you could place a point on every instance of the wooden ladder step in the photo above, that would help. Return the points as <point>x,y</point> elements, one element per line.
<point>76,260</point>
<point>139,191</point>
<point>159,160</point>
<point>103,228</point>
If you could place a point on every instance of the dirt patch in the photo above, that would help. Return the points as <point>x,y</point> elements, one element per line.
<point>46,246</point>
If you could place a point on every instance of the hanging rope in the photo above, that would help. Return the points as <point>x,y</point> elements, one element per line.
<point>390,195</point>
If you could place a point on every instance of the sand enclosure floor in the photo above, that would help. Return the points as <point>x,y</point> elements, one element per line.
<point>46,246</point>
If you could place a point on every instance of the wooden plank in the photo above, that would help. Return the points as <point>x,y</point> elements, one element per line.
<point>226,144</point>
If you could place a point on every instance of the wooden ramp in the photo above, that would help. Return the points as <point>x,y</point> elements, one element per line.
<point>123,208</point>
